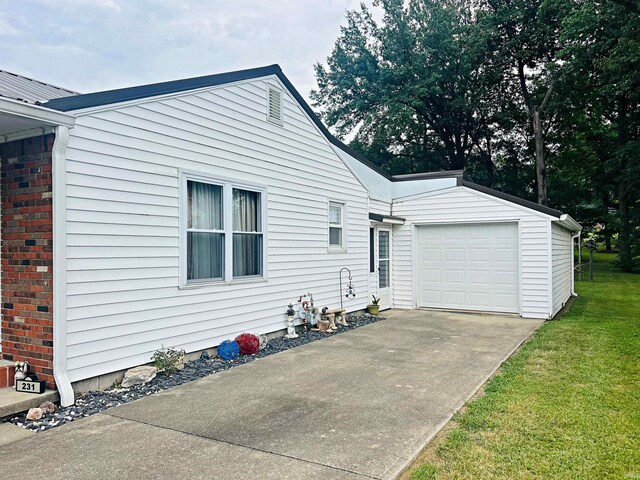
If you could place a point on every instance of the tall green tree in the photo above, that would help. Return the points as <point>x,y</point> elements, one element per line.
<point>526,37</point>
<point>602,56</point>
<point>539,98</point>
<point>411,87</point>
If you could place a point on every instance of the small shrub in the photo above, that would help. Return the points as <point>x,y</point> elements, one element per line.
<point>167,359</point>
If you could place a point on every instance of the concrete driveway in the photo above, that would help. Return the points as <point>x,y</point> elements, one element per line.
<point>354,406</point>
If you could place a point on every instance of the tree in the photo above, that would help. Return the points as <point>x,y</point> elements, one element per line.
<point>602,55</point>
<point>526,35</point>
<point>538,98</point>
<point>411,87</point>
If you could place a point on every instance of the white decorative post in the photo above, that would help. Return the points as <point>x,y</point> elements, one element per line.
<point>291,329</point>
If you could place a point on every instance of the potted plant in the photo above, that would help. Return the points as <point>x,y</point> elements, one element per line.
<point>374,308</point>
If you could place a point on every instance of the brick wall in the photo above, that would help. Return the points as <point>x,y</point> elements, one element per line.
<point>27,253</point>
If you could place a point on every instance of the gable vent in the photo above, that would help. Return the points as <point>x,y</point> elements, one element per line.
<point>274,105</point>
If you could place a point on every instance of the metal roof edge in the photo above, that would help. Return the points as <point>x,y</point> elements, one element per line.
<point>377,217</point>
<point>427,175</point>
<point>119,95</point>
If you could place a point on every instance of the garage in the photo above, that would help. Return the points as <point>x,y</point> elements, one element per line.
<point>469,266</point>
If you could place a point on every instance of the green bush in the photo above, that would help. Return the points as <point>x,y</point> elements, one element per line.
<point>167,360</point>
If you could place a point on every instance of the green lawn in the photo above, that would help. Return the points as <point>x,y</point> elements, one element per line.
<point>567,405</point>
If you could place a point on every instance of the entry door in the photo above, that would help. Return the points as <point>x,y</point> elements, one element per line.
<point>384,267</point>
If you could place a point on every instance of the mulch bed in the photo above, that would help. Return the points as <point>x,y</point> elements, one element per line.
<point>99,401</point>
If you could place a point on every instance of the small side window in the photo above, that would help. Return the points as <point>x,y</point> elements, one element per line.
<point>336,227</point>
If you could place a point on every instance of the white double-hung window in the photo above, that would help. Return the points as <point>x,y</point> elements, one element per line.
<point>205,231</point>
<point>336,227</point>
<point>223,236</point>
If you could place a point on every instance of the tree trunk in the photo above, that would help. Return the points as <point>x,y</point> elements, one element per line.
<point>488,163</point>
<point>541,173</point>
<point>624,236</point>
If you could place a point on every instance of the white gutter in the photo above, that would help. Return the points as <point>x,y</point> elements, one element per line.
<point>60,266</point>
<point>34,112</point>
<point>569,223</point>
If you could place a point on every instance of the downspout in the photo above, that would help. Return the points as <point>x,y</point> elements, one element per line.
<point>573,261</point>
<point>550,269</point>
<point>59,194</point>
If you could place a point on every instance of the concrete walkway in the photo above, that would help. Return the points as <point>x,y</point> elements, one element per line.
<point>355,406</point>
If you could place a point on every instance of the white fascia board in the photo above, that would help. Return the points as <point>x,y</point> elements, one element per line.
<point>45,115</point>
<point>392,221</point>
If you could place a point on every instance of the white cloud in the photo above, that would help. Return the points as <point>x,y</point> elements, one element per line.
<point>91,45</point>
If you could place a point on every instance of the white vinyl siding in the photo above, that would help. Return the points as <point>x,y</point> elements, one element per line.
<point>381,207</point>
<point>123,223</point>
<point>562,251</point>
<point>460,204</point>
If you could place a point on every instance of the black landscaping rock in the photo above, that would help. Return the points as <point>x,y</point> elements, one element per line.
<point>95,402</point>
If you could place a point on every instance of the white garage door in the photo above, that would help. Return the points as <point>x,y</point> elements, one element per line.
<point>468,267</point>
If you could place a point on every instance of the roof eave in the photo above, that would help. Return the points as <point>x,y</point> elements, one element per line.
<point>569,223</point>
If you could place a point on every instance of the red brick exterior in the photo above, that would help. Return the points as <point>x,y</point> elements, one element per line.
<point>27,253</point>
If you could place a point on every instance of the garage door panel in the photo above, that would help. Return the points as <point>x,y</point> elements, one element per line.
<point>454,276</point>
<point>505,301</point>
<point>428,254</point>
<point>480,301</point>
<point>431,276</point>
<point>479,254</point>
<point>454,254</point>
<point>454,233</point>
<point>478,234</point>
<point>455,299</point>
<point>479,277</point>
<point>433,297</point>
<point>469,267</point>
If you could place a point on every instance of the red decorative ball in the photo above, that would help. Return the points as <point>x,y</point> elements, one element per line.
<point>249,343</point>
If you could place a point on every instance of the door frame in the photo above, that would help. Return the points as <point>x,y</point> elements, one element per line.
<point>377,230</point>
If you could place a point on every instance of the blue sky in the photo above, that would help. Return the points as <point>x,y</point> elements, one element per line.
<point>90,45</point>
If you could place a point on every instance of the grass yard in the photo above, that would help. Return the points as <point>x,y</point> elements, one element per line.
<point>566,406</point>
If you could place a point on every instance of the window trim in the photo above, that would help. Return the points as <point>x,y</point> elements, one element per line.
<point>227,184</point>
<point>342,248</point>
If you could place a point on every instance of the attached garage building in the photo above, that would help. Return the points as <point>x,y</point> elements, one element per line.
<point>456,245</point>
<point>476,249</point>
